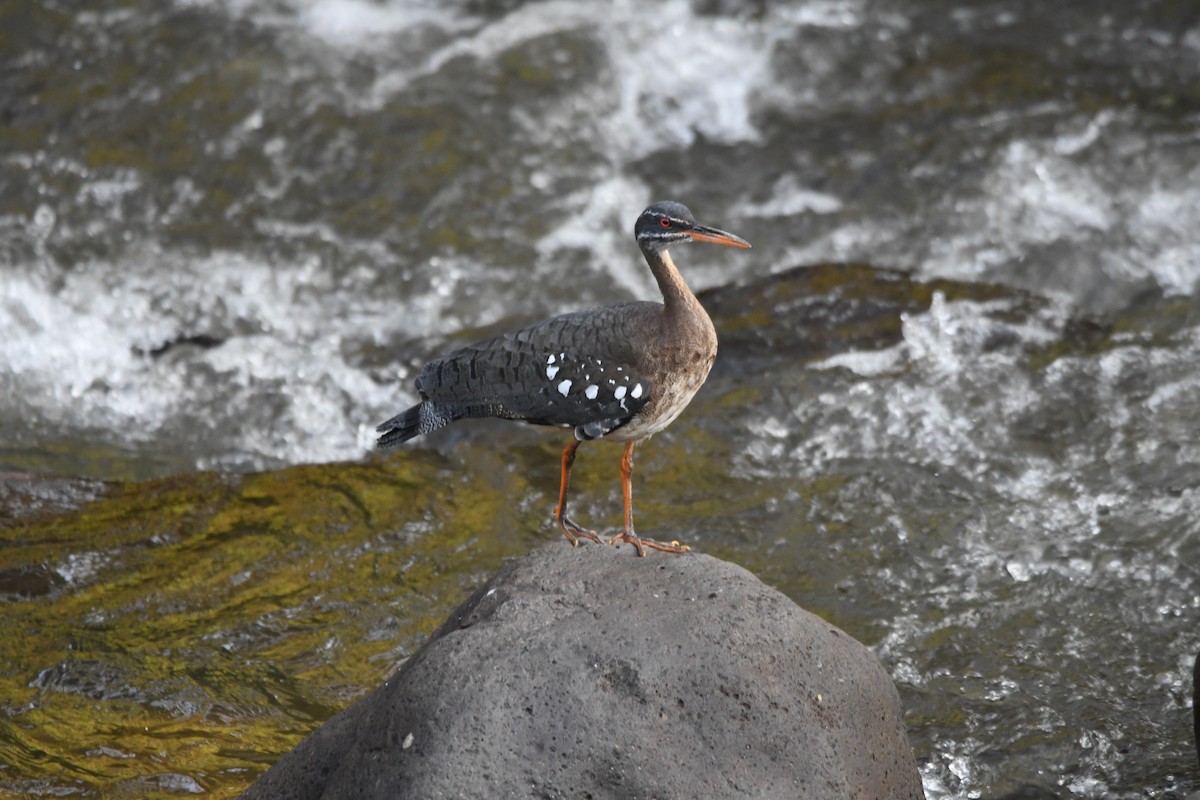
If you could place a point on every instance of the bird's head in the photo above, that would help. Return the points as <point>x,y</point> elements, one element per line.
<point>666,223</point>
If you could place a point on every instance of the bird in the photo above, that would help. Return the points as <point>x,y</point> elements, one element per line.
<point>620,372</point>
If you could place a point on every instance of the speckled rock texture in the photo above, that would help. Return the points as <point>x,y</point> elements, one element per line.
<point>591,673</point>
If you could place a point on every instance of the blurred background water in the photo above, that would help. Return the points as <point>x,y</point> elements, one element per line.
<point>231,232</point>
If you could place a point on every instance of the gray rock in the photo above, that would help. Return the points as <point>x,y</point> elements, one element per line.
<point>591,673</point>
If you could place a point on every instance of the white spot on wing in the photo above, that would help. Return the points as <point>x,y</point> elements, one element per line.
<point>550,360</point>
<point>620,394</point>
<point>637,391</point>
<point>551,372</point>
<point>592,391</point>
<point>564,387</point>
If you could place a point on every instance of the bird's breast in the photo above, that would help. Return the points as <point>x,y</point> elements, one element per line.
<point>673,391</point>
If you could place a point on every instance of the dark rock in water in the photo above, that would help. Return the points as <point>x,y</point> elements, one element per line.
<point>812,312</point>
<point>593,673</point>
<point>28,581</point>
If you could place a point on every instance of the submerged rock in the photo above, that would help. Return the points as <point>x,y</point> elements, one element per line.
<point>592,673</point>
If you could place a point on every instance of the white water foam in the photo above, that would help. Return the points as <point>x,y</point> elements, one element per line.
<point>692,74</point>
<point>77,351</point>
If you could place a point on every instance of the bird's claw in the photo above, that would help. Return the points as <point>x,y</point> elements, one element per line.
<point>640,544</point>
<point>571,530</point>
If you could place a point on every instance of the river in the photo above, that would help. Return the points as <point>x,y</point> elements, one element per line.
<point>955,410</point>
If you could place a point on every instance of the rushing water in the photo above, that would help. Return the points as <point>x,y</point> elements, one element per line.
<point>231,231</point>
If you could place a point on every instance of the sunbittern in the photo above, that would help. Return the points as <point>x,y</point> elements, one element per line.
<point>620,372</point>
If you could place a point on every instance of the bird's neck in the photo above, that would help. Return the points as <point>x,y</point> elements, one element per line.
<point>685,323</point>
<point>677,297</point>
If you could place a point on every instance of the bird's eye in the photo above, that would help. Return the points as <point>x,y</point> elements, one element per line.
<point>664,222</point>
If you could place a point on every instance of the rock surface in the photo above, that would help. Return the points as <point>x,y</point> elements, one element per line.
<point>591,673</point>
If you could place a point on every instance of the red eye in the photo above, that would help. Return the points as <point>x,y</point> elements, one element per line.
<point>664,222</point>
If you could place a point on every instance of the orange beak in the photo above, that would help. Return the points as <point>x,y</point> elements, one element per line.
<point>701,233</point>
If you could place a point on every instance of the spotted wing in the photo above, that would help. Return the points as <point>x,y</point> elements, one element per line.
<point>577,370</point>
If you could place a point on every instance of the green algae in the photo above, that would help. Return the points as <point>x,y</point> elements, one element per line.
<point>208,622</point>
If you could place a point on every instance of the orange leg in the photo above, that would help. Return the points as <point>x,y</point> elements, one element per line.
<point>628,535</point>
<point>569,528</point>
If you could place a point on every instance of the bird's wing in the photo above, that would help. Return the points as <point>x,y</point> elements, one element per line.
<point>576,370</point>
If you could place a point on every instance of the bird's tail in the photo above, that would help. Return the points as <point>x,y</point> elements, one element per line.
<point>416,421</point>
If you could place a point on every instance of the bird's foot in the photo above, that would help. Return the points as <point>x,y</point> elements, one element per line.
<point>571,530</point>
<point>640,544</point>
